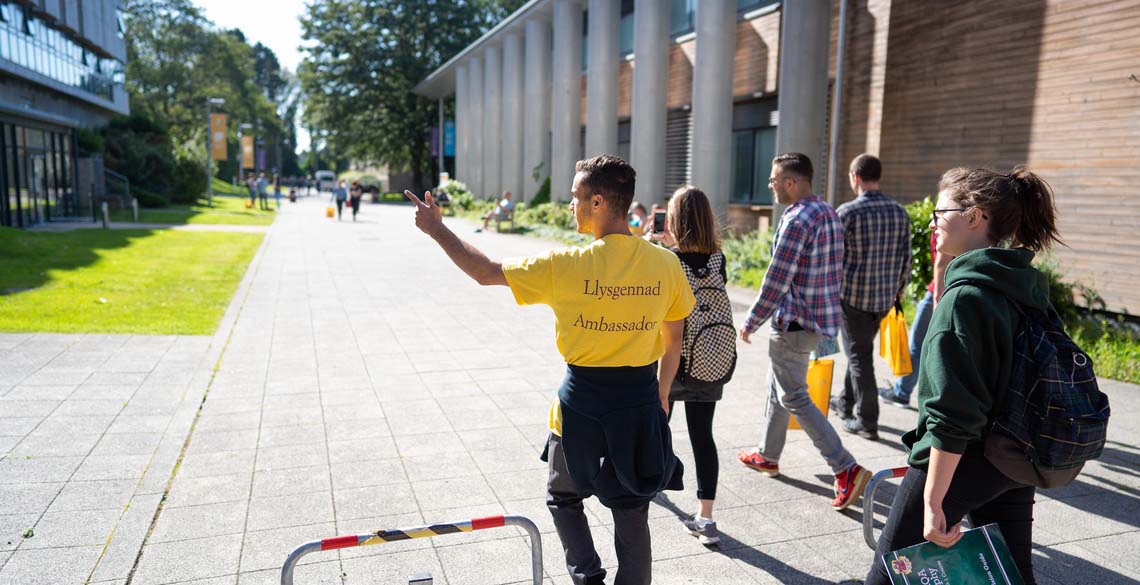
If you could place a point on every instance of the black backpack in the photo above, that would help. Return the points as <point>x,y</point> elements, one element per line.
<point>1053,417</point>
<point>708,350</point>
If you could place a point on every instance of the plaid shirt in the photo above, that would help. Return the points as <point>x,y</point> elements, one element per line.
<point>802,282</point>
<point>876,254</point>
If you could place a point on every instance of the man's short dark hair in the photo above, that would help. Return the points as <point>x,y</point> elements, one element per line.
<point>796,163</point>
<point>867,167</point>
<point>611,177</point>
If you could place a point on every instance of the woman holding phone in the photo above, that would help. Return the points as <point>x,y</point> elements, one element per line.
<point>689,228</point>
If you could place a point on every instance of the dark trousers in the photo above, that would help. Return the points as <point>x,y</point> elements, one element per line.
<point>339,207</point>
<point>978,490</point>
<point>263,200</point>
<point>631,529</point>
<point>859,391</point>
<point>699,418</point>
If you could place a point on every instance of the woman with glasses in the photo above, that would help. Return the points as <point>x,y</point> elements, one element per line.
<point>991,224</point>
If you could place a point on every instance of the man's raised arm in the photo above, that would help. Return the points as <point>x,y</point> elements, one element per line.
<point>429,218</point>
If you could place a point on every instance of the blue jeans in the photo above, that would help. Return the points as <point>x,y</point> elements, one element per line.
<point>904,386</point>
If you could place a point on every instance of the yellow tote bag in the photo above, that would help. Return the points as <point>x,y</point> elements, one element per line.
<point>893,344</point>
<point>819,387</point>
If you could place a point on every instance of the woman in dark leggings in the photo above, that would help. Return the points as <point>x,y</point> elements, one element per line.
<point>691,231</point>
<point>992,224</point>
<point>354,196</point>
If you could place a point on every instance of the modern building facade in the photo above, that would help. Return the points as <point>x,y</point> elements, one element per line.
<point>708,91</point>
<point>61,68</point>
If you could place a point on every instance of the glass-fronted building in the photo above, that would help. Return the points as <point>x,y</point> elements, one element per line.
<point>61,68</point>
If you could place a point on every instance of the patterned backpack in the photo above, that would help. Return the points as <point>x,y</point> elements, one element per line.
<point>1053,417</point>
<point>708,350</point>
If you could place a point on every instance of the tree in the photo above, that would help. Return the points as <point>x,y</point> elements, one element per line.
<point>364,59</point>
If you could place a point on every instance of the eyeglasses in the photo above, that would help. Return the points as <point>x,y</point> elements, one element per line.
<point>934,214</point>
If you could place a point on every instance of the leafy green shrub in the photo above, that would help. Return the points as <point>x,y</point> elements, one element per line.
<point>922,265</point>
<point>189,182</point>
<point>552,214</point>
<point>543,194</point>
<point>141,149</point>
<point>148,198</point>
<point>1113,347</point>
<point>90,141</point>
<point>747,256</point>
<point>458,194</point>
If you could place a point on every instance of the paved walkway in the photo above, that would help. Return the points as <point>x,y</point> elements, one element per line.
<point>364,383</point>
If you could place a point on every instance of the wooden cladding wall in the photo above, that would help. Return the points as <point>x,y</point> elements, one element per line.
<point>1044,83</point>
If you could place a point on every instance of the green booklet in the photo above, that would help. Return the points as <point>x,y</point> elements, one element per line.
<point>979,558</point>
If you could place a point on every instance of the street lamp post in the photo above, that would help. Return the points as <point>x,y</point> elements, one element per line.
<point>209,151</point>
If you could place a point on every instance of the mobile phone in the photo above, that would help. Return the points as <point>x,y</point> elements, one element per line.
<point>658,222</point>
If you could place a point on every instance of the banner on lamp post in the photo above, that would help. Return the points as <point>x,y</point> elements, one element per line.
<point>247,152</point>
<point>218,137</point>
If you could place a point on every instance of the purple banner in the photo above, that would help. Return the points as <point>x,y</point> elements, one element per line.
<point>433,141</point>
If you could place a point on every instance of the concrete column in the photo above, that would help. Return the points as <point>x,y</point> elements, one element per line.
<point>536,130</point>
<point>475,127</point>
<point>512,169</point>
<point>803,83</point>
<point>601,76</point>
<point>492,122</point>
<point>650,84</point>
<point>566,97</point>
<point>712,101</point>
<point>459,173</point>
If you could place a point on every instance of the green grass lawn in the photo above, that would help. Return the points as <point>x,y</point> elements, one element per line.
<point>226,210</point>
<point>120,281</point>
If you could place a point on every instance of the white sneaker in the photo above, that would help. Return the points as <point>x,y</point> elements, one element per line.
<point>702,528</point>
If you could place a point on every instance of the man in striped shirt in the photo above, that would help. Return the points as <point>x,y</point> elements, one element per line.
<point>800,294</point>
<point>876,267</point>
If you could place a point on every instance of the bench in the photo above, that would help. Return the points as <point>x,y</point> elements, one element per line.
<point>501,218</point>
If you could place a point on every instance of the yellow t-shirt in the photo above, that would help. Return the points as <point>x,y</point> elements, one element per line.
<point>609,300</point>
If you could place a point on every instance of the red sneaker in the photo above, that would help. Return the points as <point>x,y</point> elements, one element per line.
<point>755,461</point>
<point>849,486</point>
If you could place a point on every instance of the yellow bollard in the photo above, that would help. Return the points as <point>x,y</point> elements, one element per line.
<point>819,387</point>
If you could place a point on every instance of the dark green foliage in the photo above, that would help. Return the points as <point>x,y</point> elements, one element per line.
<point>365,57</point>
<point>922,265</point>
<point>149,198</point>
<point>189,182</point>
<point>90,141</point>
<point>140,148</point>
<point>543,194</point>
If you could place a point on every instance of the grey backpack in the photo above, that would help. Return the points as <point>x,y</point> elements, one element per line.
<point>708,350</point>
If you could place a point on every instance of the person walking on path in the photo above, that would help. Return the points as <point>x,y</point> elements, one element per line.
<point>619,305</point>
<point>876,269</point>
<point>899,391</point>
<point>251,184</point>
<point>340,195</point>
<point>800,293</point>
<point>277,190</point>
<point>262,192</point>
<point>691,232</point>
<point>968,362</point>
<point>355,194</point>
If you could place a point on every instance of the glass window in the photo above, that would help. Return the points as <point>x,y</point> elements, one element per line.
<point>681,17</point>
<point>742,162</point>
<point>4,53</point>
<point>625,42</point>
<point>764,148</point>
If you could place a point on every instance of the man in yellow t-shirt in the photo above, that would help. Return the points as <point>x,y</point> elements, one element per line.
<point>619,305</point>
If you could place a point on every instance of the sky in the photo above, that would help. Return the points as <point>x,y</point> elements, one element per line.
<point>273,23</point>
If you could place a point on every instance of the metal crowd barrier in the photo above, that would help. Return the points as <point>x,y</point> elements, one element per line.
<point>869,502</point>
<point>429,531</point>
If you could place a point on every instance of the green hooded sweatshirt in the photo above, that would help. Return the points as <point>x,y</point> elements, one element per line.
<point>968,351</point>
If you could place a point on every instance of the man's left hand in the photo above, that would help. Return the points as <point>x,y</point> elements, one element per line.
<point>429,217</point>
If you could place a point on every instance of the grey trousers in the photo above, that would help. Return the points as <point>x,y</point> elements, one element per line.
<point>631,530</point>
<point>789,353</point>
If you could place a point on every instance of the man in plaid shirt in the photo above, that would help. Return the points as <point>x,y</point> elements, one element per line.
<point>876,267</point>
<point>801,295</point>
